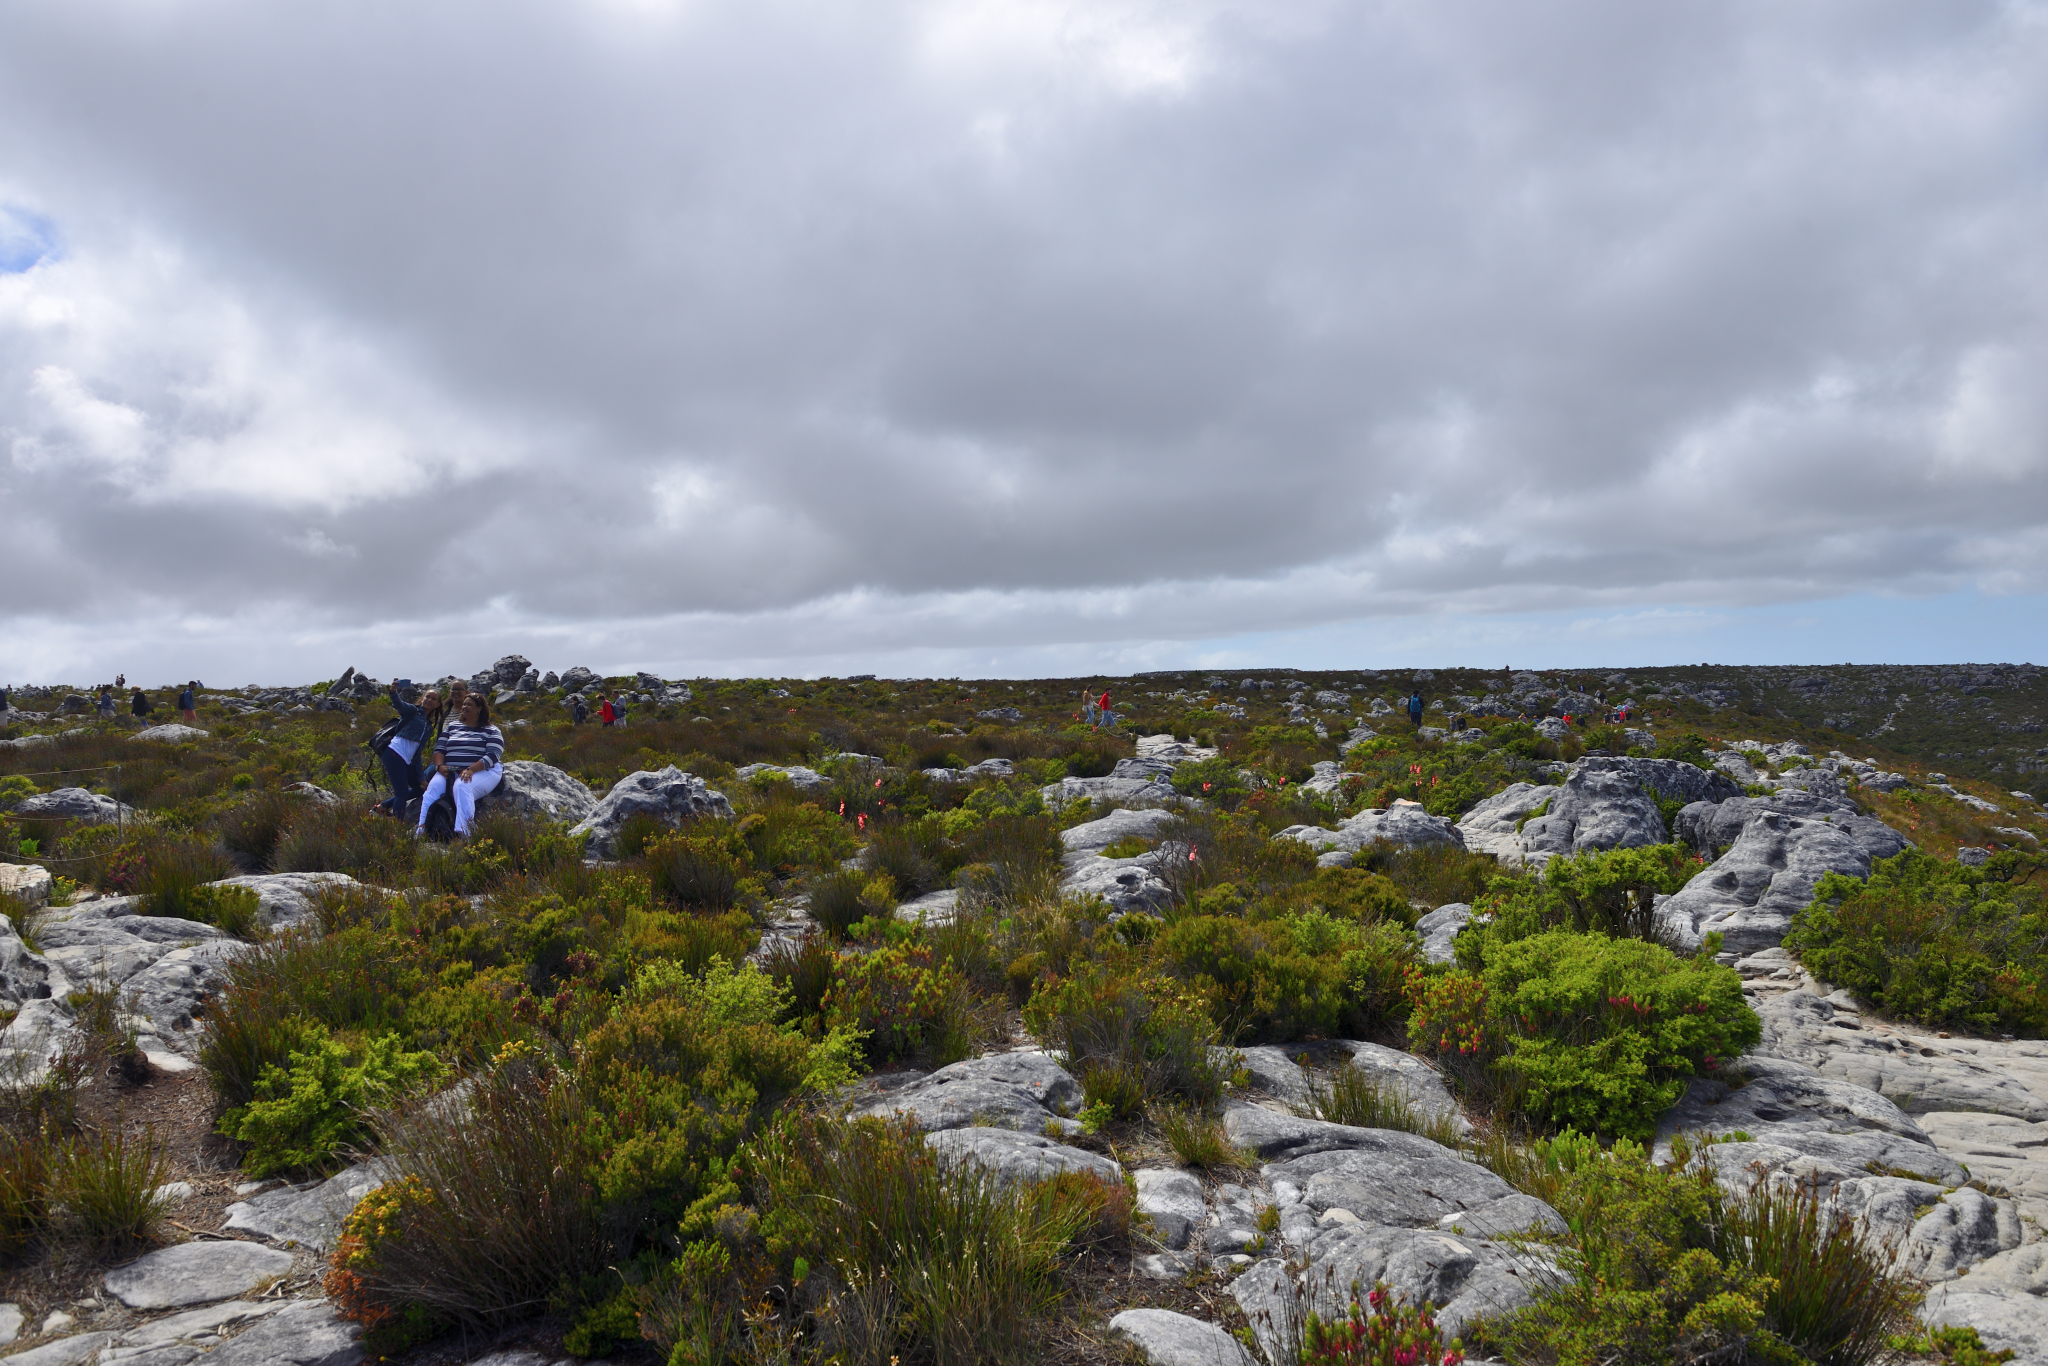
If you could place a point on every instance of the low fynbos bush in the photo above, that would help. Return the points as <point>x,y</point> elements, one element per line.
<point>905,1001</point>
<point>108,1187</point>
<point>695,870</point>
<point>1294,974</point>
<point>254,828</point>
<point>843,898</point>
<point>1130,1040</point>
<point>1930,940</point>
<point>1611,892</point>
<point>1597,1033</point>
<point>1665,1265</point>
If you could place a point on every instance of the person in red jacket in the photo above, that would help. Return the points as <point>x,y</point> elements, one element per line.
<point>605,714</point>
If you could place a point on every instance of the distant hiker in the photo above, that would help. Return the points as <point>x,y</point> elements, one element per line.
<point>605,714</point>
<point>139,704</point>
<point>107,701</point>
<point>619,710</point>
<point>6,703</point>
<point>576,709</point>
<point>1415,707</point>
<point>1088,706</point>
<point>467,761</point>
<point>400,751</point>
<point>188,703</point>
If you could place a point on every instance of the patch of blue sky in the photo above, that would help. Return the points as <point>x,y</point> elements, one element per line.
<point>26,239</point>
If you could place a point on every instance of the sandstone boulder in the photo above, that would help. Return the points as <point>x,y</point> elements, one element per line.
<point>671,796</point>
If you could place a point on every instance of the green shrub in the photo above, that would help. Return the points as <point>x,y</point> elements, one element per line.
<point>1610,892</point>
<point>1599,1034</point>
<point>1934,941</point>
<point>1294,975</point>
<point>26,1178</point>
<point>303,1114</point>
<point>174,873</point>
<point>905,1001</point>
<point>1129,1040</point>
<point>1388,1333</point>
<point>898,851</point>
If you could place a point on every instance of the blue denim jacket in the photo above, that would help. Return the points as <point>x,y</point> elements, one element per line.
<point>412,721</point>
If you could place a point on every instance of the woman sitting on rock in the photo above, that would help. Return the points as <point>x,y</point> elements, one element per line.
<point>468,759</point>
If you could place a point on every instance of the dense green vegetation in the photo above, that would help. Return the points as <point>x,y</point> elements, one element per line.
<point>645,1153</point>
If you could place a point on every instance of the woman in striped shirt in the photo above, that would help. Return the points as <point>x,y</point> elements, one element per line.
<point>467,758</point>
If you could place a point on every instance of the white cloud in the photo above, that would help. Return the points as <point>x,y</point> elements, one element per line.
<point>1015,327</point>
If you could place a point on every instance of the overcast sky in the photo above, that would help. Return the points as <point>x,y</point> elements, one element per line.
<point>1013,337</point>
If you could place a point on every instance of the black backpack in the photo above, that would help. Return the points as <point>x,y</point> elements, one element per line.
<point>440,825</point>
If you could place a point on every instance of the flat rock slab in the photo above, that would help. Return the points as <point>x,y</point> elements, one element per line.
<point>309,1333</point>
<point>196,1273</point>
<point>28,882</point>
<point>1092,837</point>
<point>1011,1156</point>
<point>1917,1073</point>
<point>1165,1338</point>
<point>310,1217</point>
<point>63,1352</point>
<point>171,734</point>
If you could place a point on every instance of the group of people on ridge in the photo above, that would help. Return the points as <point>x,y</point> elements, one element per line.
<point>452,743</point>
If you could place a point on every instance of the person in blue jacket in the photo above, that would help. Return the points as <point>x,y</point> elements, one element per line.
<point>400,754</point>
<point>1415,707</point>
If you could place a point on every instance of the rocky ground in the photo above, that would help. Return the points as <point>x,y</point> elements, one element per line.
<point>1940,1144</point>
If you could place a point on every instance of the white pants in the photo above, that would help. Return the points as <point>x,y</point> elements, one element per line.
<point>467,791</point>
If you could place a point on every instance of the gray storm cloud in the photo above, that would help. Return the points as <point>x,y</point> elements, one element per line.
<point>782,329</point>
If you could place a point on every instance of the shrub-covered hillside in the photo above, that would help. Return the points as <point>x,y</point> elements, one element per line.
<point>865,1020</point>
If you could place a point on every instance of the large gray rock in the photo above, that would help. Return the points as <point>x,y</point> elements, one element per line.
<point>1602,805</point>
<point>309,1333</point>
<point>577,679</point>
<point>1494,825</point>
<point>1092,837</point>
<point>71,1351</point>
<point>1106,789</point>
<point>507,672</point>
<point>1832,1040</point>
<point>1406,826</point>
<point>77,804</point>
<point>1673,780</point>
<point>1127,884</point>
<point>311,1217</point>
<point>288,900</point>
<point>170,734</point>
<point>1165,1338</point>
<point>806,780</point>
<point>1440,930</point>
<point>1013,1090</point>
<point>1712,826</point>
<point>1751,893</point>
<point>1371,1205</point>
<point>1274,1068</point>
<point>539,792</point>
<point>671,796</point>
<point>1011,1156</point>
<point>24,976</point>
<point>2005,1298</point>
<point>196,1273</point>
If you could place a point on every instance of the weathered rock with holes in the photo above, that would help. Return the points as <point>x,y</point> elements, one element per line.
<point>670,796</point>
<point>1794,1114</point>
<point>1713,826</point>
<point>1013,1090</point>
<point>1440,930</point>
<point>807,780</point>
<point>1602,805</point>
<point>1092,837</point>
<point>539,791</point>
<point>1106,789</point>
<point>1750,894</point>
